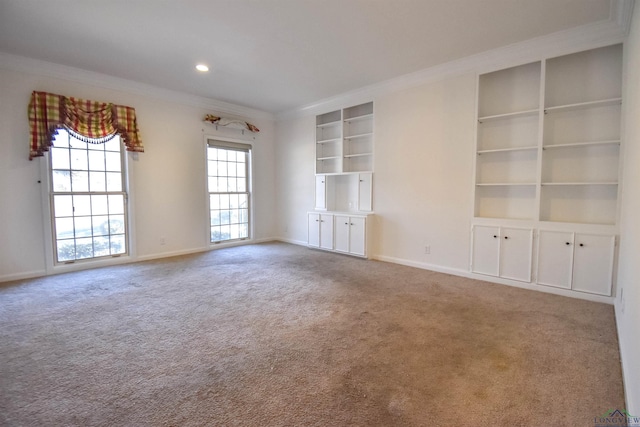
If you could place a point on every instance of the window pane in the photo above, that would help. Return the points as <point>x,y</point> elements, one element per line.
<point>66,250</point>
<point>61,181</point>
<point>84,248</point>
<point>99,205</point>
<point>116,204</point>
<point>224,201</point>
<point>244,231</point>
<point>79,160</point>
<point>225,232</point>
<point>222,184</point>
<point>222,168</point>
<point>64,228</point>
<point>232,185</point>
<point>79,181</point>
<point>97,181</point>
<point>101,225</point>
<point>96,160</point>
<point>116,224</point>
<point>215,217</point>
<point>114,181</point>
<point>212,153</point>
<point>241,169</point>
<point>63,205</point>
<point>235,217</point>
<point>101,246</point>
<point>95,147</point>
<point>216,236</point>
<point>242,200</point>
<point>83,226</point>
<point>213,183</point>
<point>212,168</point>
<point>118,245</point>
<point>242,185</point>
<point>61,139</point>
<point>81,205</point>
<point>112,161</point>
<point>225,217</point>
<point>59,158</point>
<point>233,201</point>
<point>222,154</point>
<point>214,201</point>
<point>113,144</point>
<point>234,232</point>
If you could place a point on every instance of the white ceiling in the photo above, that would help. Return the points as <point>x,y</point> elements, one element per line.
<point>275,55</point>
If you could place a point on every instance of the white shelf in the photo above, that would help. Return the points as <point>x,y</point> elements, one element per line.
<point>583,105</point>
<point>582,144</point>
<point>358,118</point>
<point>505,184</point>
<point>325,141</point>
<point>508,115</point>
<point>503,150</point>
<point>330,124</point>
<point>578,183</point>
<point>358,155</point>
<point>362,135</point>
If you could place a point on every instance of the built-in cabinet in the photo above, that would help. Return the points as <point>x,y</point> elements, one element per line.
<point>548,153</point>
<point>345,233</point>
<point>321,230</point>
<point>577,261</point>
<point>344,177</point>
<point>502,252</point>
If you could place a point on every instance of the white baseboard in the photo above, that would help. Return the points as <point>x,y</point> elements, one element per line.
<point>292,241</point>
<point>22,276</point>
<point>629,393</point>
<point>498,280</point>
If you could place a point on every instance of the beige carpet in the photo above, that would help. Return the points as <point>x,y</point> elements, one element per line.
<point>280,335</point>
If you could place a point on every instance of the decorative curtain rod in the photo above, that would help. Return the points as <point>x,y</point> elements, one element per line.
<point>232,123</point>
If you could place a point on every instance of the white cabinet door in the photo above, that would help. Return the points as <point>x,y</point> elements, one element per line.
<point>555,258</point>
<point>357,236</point>
<point>486,250</point>
<point>364,192</point>
<point>321,192</point>
<point>593,263</point>
<point>314,230</point>
<point>342,233</point>
<point>515,253</point>
<point>326,231</point>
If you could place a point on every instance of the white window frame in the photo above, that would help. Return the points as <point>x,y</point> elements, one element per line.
<point>231,142</point>
<point>51,265</point>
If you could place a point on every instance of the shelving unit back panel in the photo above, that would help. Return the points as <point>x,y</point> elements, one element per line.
<point>585,125</point>
<point>506,202</point>
<point>511,90</point>
<point>585,76</point>
<point>344,193</point>
<point>358,110</point>
<point>328,150</point>
<point>328,132</point>
<point>508,133</point>
<point>579,204</point>
<point>359,146</point>
<point>595,163</point>
<point>358,164</point>
<point>358,127</point>
<point>329,166</point>
<point>330,117</point>
<point>507,167</point>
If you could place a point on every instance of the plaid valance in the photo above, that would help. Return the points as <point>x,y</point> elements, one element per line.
<point>89,121</point>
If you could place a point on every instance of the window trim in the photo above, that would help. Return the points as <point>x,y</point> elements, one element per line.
<point>45,181</point>
<point>226,142</point>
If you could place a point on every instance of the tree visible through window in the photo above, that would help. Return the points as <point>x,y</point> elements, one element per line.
<point>228,183</point>
<point>88,200</point>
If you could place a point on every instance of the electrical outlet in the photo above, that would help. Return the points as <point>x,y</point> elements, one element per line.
<point>427,249</point>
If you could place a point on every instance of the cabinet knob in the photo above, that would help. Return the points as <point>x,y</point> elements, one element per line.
<point>581,244</point>
<point>362,180</point>
<point>346,223</point>
<point>567,243</point>
<point>322,182</point>
<point>506,237</point>
<point>317,220</point>
<point>495,237</point>
<point>351,223</point>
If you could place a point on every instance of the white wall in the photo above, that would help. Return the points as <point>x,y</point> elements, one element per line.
<point>424,139</point>
<point>168,179</point>
<point>628,301</point>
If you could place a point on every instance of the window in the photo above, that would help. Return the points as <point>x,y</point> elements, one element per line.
<point>88,200</point>
<point>228,184</point>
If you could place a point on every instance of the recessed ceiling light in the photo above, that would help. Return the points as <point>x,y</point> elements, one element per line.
<point>202,67</point>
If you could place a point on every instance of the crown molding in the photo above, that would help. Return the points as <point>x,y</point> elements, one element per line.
<point>49,69</point>
<point>597,34</point>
